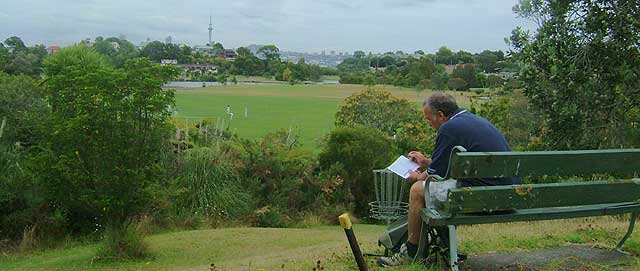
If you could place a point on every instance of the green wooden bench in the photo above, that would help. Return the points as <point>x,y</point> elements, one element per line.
<point>530,202</point>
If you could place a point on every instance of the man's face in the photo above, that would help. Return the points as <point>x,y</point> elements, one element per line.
<point>436,120</point>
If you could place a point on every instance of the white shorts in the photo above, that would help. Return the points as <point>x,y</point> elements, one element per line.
<point>438,192</point>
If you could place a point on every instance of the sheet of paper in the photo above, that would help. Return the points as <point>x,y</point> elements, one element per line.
<point>403,166</point>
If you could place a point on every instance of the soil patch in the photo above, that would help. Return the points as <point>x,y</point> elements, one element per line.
<point>573,257</point>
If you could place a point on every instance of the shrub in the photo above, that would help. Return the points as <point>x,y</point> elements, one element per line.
<point>283,172</point>
<point>209,183</point>
<point>377,109</point>
<point>122,242</point>
<point>271,217</point>
<point>353,152</point>
<point>108,130</point>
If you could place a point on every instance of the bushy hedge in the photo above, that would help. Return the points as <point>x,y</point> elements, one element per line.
<point>352,153</point>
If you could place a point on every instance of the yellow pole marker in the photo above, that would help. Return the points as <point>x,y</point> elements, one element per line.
<point>345,222</point>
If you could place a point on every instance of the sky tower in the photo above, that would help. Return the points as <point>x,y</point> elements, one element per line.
<point>210,29</point>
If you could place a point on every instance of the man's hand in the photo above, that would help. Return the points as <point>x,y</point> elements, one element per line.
<point>416,176</point>
<point>419,158</point>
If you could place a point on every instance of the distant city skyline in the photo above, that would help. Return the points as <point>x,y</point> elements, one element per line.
<point>300,26</point>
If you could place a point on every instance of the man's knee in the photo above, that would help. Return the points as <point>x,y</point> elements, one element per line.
<point>417,191</point>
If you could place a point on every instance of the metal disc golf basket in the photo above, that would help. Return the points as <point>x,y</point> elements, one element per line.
<point>391,197</point>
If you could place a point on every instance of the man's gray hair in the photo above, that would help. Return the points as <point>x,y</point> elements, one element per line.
<point>440,101</point>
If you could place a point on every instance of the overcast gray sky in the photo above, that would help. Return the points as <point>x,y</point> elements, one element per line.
<point>296,25</point>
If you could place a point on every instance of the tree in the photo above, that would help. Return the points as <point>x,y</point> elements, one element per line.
<point>106,135</point>
<point>244,51</point>
<point>348,153</point>
<point>270,52</point>
<point>15,44</point>
<point>494,81</point>
<point>487,61</point>
<point>464,57</point>
<point>444,55</point>
<point>582,70</point>
<point>358,54</point>
<point>23,105</point>
<point>154,50</point>
<point>457,83</point>
<point>369,80</point>
<point>117,50</point>
<point>468,73</point>
<point>377,109</point>
<point>217,48</point>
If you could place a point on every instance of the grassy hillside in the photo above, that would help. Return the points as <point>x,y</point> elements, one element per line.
<point>308,109</point>
<point>302,249</point>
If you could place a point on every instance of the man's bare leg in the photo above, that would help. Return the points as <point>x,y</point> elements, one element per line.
<point>416,203</point>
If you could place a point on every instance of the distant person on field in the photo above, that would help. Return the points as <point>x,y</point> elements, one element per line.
<point>456,127</point>
<point>228,109</point>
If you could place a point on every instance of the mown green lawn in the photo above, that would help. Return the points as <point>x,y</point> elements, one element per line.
<point>323,246</point>
<point>308,110</point>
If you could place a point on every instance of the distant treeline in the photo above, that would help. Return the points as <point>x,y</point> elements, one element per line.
<point>16,58</point>
<point>443,70</point>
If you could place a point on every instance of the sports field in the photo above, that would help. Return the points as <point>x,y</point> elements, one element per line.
<point>305,109</point>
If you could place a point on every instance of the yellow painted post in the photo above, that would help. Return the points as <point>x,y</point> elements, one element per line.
<point>345,222</point>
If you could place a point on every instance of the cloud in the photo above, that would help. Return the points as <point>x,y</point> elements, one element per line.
<point>380,25</point>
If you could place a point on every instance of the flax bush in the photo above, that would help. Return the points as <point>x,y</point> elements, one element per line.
<point>210,185</point>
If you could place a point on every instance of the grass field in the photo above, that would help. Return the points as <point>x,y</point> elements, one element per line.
<point>308,109</point>
<point>302,249</point>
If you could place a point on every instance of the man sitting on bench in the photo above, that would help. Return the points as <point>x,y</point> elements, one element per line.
<point>456,127</point>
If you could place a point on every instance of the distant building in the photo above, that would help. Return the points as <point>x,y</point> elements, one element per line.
<point>168,62</point>
<point>228,54</point>
<point>507,75</point>
<point>199,68</point>
<point>53,48</point>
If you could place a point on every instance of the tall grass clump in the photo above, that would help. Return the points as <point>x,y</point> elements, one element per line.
<point>122,242</point>
<point>210,185</point>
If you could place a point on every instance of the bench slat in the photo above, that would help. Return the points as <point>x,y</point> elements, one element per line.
<point>435,219</point>
<point>529,196</point>
<point>623,163</point>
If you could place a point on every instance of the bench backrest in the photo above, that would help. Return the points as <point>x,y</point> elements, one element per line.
<point>623,163</point>
<point>528,196</point>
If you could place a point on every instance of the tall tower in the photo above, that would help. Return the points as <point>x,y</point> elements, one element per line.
<point>210,29</point>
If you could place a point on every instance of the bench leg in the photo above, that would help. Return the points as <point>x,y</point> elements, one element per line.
<point>632,223</point>
<point>453,248</point>
<point>422,245</point>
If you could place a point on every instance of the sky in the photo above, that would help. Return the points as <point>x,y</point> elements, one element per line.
<point>292,25</point>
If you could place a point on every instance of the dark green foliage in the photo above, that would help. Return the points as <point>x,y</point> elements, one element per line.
<point>514,117</point>
<point>457,83</point>
<point>582,70</point>
<point>280,171</point>
<point>16,58</point>
<point>106,134</point>
<point>352,153</point>
<point>118,51</point>
<point>377,109</point>
<point>21,108</point>
<point>21,105</point>
<point>466,72</point>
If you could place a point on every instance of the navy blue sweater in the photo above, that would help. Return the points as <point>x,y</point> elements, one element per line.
<point>475,134</point>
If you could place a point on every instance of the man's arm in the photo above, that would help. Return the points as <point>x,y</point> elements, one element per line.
<point>419,158</point>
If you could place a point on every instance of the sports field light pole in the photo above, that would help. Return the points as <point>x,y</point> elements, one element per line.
<point>345,221</point>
